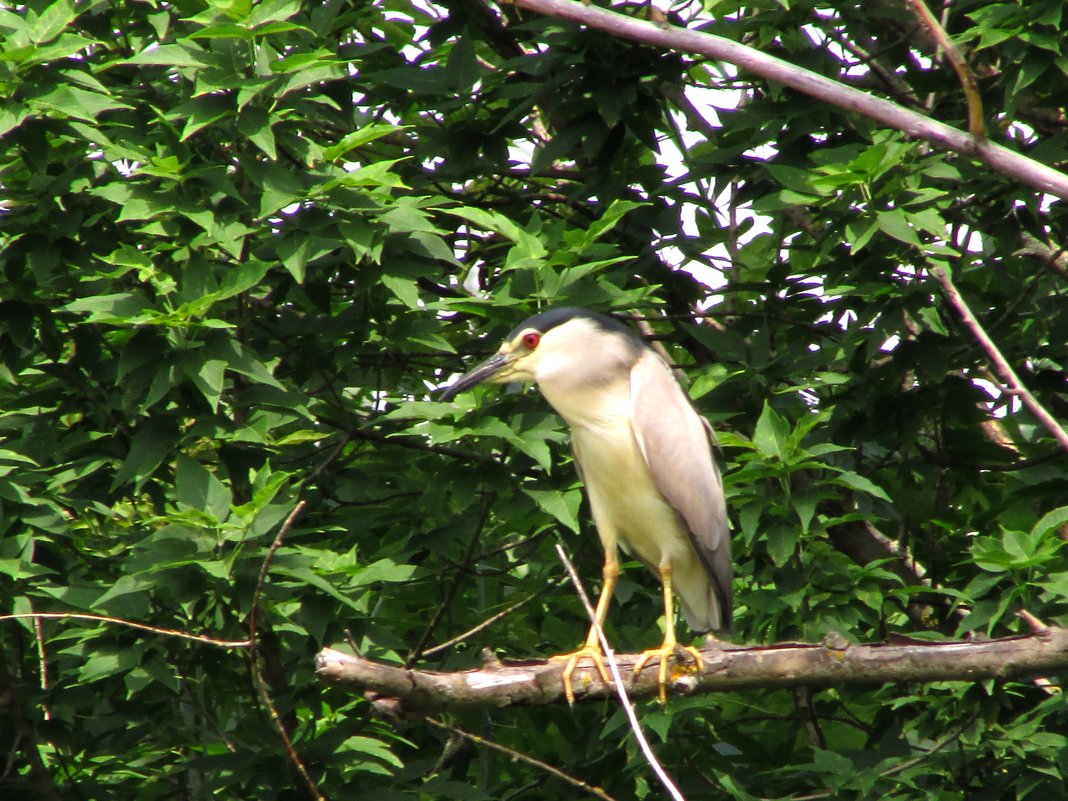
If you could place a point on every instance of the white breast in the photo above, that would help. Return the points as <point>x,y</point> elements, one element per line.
<point>627,507</point>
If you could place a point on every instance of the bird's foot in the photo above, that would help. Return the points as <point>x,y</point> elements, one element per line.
<point>588,651</point>
<point>664,654</point>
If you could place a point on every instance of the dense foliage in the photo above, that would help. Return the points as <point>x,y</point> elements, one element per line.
<point>241,242</point>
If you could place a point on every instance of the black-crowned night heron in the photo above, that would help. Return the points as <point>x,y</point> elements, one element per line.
<point>645,456</point>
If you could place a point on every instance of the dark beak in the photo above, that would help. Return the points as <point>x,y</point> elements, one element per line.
<point>484,372</point>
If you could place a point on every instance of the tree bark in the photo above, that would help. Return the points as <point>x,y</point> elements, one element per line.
<point>726,667</point>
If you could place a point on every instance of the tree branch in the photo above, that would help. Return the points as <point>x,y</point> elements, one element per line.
<point>1001,364</point>
<point>726,667</point>
<point>998,158</point>
<point>511,753</point>
<point>976,126</point>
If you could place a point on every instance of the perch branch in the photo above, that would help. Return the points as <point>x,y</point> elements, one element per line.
<point>726,667</point>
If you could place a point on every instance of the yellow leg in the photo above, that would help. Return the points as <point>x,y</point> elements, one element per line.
<point>667,649</point>
<point>592,648</point>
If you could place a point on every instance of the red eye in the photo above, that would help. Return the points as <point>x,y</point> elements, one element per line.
<point>531,340</point>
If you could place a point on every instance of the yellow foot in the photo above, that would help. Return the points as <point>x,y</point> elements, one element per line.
<point>664,653</point>
<point>592,652</point>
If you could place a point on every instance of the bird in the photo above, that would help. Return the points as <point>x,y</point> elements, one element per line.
<point>646,458</point>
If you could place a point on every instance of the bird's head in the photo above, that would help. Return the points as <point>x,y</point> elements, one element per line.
<point>560,341</point>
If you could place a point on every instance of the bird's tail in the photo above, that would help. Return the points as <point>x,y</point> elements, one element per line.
<point>700,600</point>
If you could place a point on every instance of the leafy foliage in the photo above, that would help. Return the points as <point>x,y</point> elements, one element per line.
<point>240,244</point>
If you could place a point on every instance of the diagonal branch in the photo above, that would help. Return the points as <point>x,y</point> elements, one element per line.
<point>964,73</point>
<point>726,667</point>
<point>1001,364</point>
<point>519,756</point>
<point>997,157</point>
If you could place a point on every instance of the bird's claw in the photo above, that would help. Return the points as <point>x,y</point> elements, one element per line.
<point>587,651</point>
<point>663,654</point>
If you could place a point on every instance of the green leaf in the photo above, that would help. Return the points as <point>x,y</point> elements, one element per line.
<point>305,575</point>
<point>405,289</point>
<point>489,220</point>
<point>255,123</point>
<point>896,223</point>
<point>372,748</point>
<point>150,445</point>
<point>771,433</point>
<point>612,215</point>
<point>804,504</point>
<point>197,488</point>
<point>104,664</point>
<point>1053,520</point>
<point>208,376</point>
<point>861,484</point>
<point>171,55</point>
<point>561,505</point>
<point>461,67</point>
<point>71,101</point>
<point>781,542</point>
<point>363,136</point>
<point>53,19</point>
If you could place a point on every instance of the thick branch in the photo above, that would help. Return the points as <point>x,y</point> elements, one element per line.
<point>727,667</point>
<point>998,158</point>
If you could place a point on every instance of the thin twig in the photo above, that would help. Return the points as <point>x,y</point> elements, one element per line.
<point>521,757</point>
<point>130,624</point>
<point>42,661</point>
<point>617,678</point>
<point>1055,258</point>
<point>450,593</point>
<point>1033,622</point>
<point>485,624</point>
<point>258,679</point>
<point>1004,369</point>
<point>976,126</point>
<point>39,782</point>
<point>265,567</point>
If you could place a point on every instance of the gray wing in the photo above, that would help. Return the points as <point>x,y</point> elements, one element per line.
<point>678,447</point>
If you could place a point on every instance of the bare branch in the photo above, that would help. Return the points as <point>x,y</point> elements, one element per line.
<point>997,157</point>
<point>128,623</point>
<point>967,78</point>
<point>726,667</point>
<point>1001,364</point>
<point>450,593</point>
<point>1055,258</point>
<point>258,678</point>
<point>485,624</point>
<point>511,753</point>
